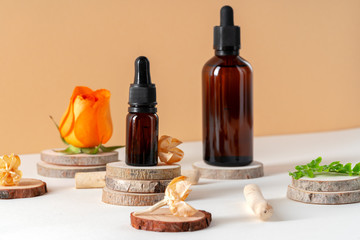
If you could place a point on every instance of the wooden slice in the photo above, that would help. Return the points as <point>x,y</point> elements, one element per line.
<point>130,199</point>
<point>160,172</point>
<point>57,171</point>
<point>325,198</point>
<point>52,157</point>
<point>254,170</point>
<point>161,220</point>
<point>27,188</point>
<point>136,186</point>
<point>328,183</point>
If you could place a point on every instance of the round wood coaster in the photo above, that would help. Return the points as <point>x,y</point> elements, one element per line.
<point>328,183</point>
<point>130,199</point>
<point>27,188</point>
<point>254,170</point>
<point>161,220</point>
<point>324,198</point>
<point>58,171</point>
<point>57,158</point>
<point>122,171</point>
<point>136,186</point>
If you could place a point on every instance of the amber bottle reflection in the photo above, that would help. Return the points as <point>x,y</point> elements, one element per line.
<point>227,111</point>
<point>142,139</point>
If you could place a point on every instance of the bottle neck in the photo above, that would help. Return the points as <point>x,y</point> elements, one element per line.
<point>134,108</point>
<point>233,52</point>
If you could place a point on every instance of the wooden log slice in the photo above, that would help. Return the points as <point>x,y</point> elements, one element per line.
<point>130,199</point>
<point>27,188</point>
<point>160,172</point>
<point>58,171</point>
<point>136,186</point>
<point>324,198</point>
<point>254,170</point>
<point>328,183</point>
<point>52,157</point>
<point>161,220</point>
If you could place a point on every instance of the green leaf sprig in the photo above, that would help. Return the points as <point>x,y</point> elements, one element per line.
<point>94,150</point>
<point>313,168</point>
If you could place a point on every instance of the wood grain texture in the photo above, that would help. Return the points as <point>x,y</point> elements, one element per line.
<point>324,198</point>
<point>136,186</point>
<point>130,199</point>
<point>327,183</point>
<point>57,171</point>
<point>254,170</point>
<point>90,180</point>
<point>160,172</point>
<point>27,188</point>
<point>52,157</point>
<point>162,220</point>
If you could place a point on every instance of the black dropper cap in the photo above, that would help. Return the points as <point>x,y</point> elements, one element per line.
<point>142,94</point>
<point>226,36</point>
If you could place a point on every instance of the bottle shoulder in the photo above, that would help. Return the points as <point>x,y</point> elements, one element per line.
<point>227,61</point>
<point>140,116</point>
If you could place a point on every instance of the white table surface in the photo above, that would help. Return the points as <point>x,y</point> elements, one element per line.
<point>69,213</point>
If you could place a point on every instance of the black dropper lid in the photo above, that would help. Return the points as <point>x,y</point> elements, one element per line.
<point>142,93</point>
<point>226,36</point>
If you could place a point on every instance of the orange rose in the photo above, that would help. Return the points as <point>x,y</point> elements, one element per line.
<point>87,120</point>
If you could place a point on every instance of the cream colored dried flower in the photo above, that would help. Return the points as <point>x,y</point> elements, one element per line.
<point>9,173</point>
<point>175,194</point>
<point>168,151</point>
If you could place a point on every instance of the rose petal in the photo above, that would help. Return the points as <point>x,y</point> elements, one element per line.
<point>85,129</point>
<point>68,119</point>
<point>103,115</point>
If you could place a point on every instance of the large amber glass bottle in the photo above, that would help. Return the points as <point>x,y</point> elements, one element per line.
<point>227,99</point>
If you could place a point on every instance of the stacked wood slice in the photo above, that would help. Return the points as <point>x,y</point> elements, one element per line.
<point>137,186</point>
<point>253,170</point>
<point>325,189</point>
<point>60,165</point>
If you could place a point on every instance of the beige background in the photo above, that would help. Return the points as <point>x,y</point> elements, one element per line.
<point>305,56</point>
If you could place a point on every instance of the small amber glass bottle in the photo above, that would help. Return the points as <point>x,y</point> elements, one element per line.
<point>142,122</point>
<point>227,99</point>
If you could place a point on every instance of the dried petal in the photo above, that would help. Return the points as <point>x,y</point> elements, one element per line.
<point>182,209</point>
<point>178,189</point>
<point>175,194</point>
<point>175,155</point>
<point>168,152</point>
<point>9,173</point>
<point>166,143</point>
<point>193,175</point>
